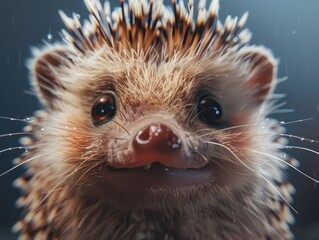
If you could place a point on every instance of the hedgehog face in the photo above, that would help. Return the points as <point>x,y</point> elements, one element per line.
<point>144,130</point>
<point>158,125</point>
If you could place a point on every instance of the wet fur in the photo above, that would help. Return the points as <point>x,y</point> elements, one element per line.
<point>65,194</point>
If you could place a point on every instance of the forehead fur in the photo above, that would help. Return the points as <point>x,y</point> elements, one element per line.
<point>150,25</point>
<point>153,80</point>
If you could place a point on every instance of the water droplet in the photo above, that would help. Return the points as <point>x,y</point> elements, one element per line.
<point>282,122</point>
<point>234,218</point>
<point>50,36</point>
<point>302,139</point>
<point>267,120</point>
<point>28,119</point>
<point>312,141</point>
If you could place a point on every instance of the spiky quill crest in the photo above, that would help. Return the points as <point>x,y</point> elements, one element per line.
<point>158,34</point>
<point>145,25</point>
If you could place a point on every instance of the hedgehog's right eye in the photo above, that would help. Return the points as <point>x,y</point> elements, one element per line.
<point>104,109</point>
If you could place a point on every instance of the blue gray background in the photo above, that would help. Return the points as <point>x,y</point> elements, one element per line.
<point>288,27</point>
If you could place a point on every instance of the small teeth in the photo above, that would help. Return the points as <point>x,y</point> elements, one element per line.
<point>147,167</point>
<point>163,167</point>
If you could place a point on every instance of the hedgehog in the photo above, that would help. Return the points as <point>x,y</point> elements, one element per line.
<point>154,126</point>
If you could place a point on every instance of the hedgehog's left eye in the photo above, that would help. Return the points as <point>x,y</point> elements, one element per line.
<point>209,110</point>
<point>103,109</point>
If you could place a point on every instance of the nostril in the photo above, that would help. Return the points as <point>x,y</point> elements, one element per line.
<point>143,136</point>
<point>173,140</point>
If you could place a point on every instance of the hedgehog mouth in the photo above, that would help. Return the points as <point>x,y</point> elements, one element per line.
<point>157,176</point>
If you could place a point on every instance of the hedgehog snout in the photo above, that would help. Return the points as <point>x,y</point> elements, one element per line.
<point>158,142</point>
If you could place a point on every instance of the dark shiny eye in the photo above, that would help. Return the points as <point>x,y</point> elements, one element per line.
<point>209,110</point>
<point>103,109</point>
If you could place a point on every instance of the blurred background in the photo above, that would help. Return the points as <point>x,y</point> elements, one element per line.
<point>288,27</point>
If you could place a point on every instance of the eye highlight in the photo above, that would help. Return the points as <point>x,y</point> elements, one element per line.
<point>209,110</point>
<point>103,109</point>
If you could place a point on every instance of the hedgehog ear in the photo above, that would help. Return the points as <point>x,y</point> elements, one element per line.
<point>45,69</point>
<point>263,71</point>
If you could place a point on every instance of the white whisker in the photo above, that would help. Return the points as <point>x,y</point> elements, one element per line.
<point>216,162</point>
<point>95,165</point>
<point>59,183</point>
<point>295,136</point>
<point>285,162</point>
<point>302,148</point>
<point>17,119</point>
<point>55,187</point>
<point>13,148</point>
<point>252,170</point>
<point>230,151</point>
<point>282,197</point>
<point>14,134</point>
<point>281,123</point>
<point>24,162</point>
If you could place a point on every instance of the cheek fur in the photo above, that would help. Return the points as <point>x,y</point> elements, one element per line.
<point>84,144</point>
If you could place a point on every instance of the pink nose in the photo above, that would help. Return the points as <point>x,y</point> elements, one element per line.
<point>157,143</point>
<point>157,137</point>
